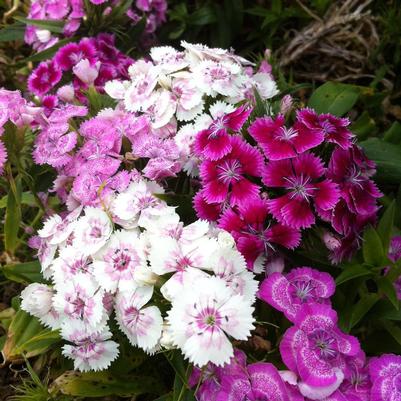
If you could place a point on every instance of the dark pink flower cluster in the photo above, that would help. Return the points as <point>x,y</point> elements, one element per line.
<point>92,61</point>
<point>285,179</point>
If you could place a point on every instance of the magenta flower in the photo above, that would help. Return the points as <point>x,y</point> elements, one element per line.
<point>333,129</point>
<point>394,253</point>
<point>226,179</point>
<point>316,349</point>
<point>3,156</point>
<point>279,142</point>
<point>351,172</point>
<point>260,381</point>
<point>214,143</point>
<point>71,54</point>
<point>302,178</point>
<point>385,374</point>
<point>254,234</point>
<point>44,77</point>
<point>204,210</point>
<point>300,286</point>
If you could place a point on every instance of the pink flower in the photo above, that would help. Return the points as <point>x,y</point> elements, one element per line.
<point>3,156</point>
<point>71,54</point>
<point>301,177</point>
<point>300,286</point>
<point>205,210</point>
<point>214,143</point>
<point>316,349</point>
<point>226,179</point>
<point>254,234</point>
<point>85,72</point>
<point>334,129</point>
<point>44,77</point>
<point>385,373</point>
<point>279,142</point>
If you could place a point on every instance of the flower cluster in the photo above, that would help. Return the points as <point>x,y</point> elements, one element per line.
<point>264,194</point>
<point>92,61</point>
<point>73,12</point>
<point>16,110</point>
<point>116,259</point>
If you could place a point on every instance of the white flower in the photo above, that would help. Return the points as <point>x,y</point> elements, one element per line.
<point>116,89</point>
<point>168,59</point>
<point>92,230</point>
<point>80,298</point>
<point>215,78</point>
<point>161,108</point>
<point>56,230</point>
<point>203,316</point>
<point>37,299</point>
<point>225,239</point>
<point>228,264</point>
<point>166,340</point>
<point>142,325</point>
<point>138,197</point>
<point>91,351</point>
<point>117,264</point>
<point>265,85</point>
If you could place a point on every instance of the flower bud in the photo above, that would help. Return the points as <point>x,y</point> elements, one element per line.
<point>37,299</point>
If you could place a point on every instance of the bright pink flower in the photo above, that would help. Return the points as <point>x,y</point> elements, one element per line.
<point>44,77</point>
<point>316,349</point>
<point>302,178</point>
<point>226,179</point>
<point>334,129</point>
<point>350,169</point>
<point>70,55</point>
<point>205,210</point>
<point>279,142</point>
<point>214,143</point>
<point>254,234</point>
<point>300,286</point>
<point>385,373</point>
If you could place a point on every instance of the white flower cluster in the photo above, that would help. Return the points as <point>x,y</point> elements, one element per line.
<point>179,87</point>
<point>127,259</point>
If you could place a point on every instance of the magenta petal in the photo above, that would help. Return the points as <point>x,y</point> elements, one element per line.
<point>291,341</point>
<point>309,165</point>
<point>275,172</point>
<point>236,119</point>
<point>283,235</point>
<point>276,205</point>
<point>327,194</point>
<point>307,138</point>
<point>212,147</point>
<point>297,213</point>
<point>242,191</point>
<point>215,192</point>
<point>204,210</point>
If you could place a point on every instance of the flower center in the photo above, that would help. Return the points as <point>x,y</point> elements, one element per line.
<point>229,171</point>
<point>286,134</point>
<point>323,343</point>
<point>300,187</point>
<point>303,289</point>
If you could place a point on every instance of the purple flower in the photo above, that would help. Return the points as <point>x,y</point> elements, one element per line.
<point>333,129</point>
<point>316,349</point>
<point>44,77</point>
<point>300,286</point>
<point>385,374</point>
<point>71,54</point>
<point>254,234</point>
<point>214,143</point>
<point>279,142</point>
<point>260,381</point>
<point>226,179</point>
<point>394,253</point>
<point>303,179</point>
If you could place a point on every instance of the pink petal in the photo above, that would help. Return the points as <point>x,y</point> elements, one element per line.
<point>275,172</point>
<point>327,195</point>
<point>297,213</point>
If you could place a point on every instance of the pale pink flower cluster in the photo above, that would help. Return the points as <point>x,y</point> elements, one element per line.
<point>101,260</point>
<point>182,92</point>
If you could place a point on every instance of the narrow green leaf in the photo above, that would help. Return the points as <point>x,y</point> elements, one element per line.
<point>28,272</point>
<point>334,98</point>
<point>13,218</point>
<point>385,226</point>
<point>386,287</point>
<point>351,272</point>
<point>361,308</point>
<point>12,32</point>
<point>56,26</point>
<point>102,384</point>
<point>394,330</point>
<point>372,248</point>
<point>49,52</point>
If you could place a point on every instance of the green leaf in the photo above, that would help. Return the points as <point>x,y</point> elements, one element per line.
<point>372,248</point>
<point>386,287</point>
<point>393,134</point>
<point>12,32</point>
<point>387,157</point>
<point>28,272</point>
<point>204,16</point>
<point>361,308</point>
<point>27,336</point>
<point>49,52</point>
<point>334,98</point>
<point>363,126</point>
<point>351,272</point>
<point>27,198</point>
<point>394,330</point>
<point>56,26</point>
<point>13,218</point>
<point>385,226</point>
<point>103,384</point>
